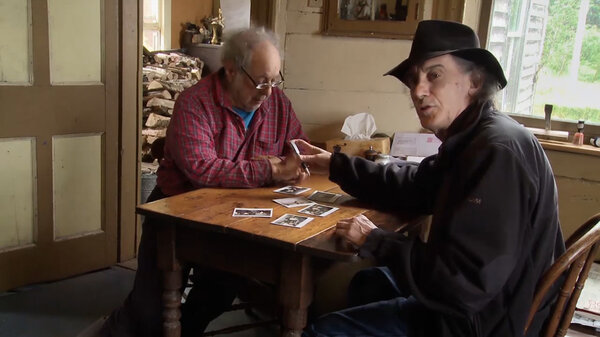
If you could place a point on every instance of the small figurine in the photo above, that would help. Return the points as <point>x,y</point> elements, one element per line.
<point>217,24</point>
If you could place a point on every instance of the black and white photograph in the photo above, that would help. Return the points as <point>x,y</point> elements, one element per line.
<point>253,212</point>
<point>292,190</point>
<point>318,210</point>
<point>320,196</point>
<point>294,202</point>
<point>291,220</point>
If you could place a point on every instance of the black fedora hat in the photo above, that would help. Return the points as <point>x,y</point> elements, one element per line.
<point>435,38</point>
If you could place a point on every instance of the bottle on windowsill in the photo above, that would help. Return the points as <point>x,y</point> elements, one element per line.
<point>578,137</point>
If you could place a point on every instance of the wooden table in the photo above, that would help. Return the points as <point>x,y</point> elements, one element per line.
<point>198,227</point>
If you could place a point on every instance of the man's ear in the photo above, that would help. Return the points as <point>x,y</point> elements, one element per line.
<point>230,70</point>
<point>476,82</point>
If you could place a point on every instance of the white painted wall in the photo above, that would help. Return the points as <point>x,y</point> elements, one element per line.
<point>329,78</point>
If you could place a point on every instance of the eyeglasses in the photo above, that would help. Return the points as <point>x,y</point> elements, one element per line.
<point>264,85</point>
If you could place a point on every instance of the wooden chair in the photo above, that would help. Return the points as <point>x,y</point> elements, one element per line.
<point>575,265</point>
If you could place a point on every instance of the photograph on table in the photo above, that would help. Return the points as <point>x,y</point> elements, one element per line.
<point>320,196</point>
<point>291,220</point>
<point>253,212</point>
<point>318,210</point>
<point>292,190</point>
<point>294,202</point>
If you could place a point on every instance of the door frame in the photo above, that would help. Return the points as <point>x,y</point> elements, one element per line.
<point>130,120</point>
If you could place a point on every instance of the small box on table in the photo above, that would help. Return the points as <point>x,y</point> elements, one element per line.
<point>359,146</point>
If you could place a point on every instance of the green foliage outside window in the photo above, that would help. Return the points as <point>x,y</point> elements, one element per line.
<point>557,56</point>
<point>560,35</point>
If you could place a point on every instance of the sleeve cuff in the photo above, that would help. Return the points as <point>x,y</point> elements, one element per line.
<point>371,245</point>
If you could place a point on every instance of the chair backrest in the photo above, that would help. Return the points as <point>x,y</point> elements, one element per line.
<point>575,264</point>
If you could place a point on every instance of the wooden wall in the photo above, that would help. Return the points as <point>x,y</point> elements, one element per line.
<point>183,11</point>
<point>578,181</point>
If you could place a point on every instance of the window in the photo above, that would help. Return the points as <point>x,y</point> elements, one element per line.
<point>550,52</point>
<point>157,32</point>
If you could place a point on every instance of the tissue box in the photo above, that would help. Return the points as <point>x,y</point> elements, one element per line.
<point>358,147</point>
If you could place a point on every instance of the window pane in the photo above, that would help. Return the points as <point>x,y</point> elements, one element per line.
<point>152,39</point>
<point>151,11</point>
<point>550,52</point>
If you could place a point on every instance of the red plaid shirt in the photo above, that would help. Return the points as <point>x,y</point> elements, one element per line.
<point>207,144</point>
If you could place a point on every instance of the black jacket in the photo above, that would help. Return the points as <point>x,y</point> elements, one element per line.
<point>494,230</point>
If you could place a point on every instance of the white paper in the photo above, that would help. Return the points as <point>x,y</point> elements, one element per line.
<point>236,14</point>
<point>359,126</point>
<point>414,144</point>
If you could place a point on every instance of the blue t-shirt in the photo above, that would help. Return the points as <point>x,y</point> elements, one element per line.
<point>246,115</point>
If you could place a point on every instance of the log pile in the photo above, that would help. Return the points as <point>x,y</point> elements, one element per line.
<point>165,75</point>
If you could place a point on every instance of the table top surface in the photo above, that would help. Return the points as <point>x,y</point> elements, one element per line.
<point>212,209</point>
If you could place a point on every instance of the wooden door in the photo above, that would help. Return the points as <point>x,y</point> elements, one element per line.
<point>59,131</point>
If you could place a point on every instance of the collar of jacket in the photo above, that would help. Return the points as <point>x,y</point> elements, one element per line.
<point>461,131</point>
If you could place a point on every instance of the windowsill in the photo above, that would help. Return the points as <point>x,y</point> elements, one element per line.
<point>568,147</point>
<point>590,130</point>
<point>555,142</point>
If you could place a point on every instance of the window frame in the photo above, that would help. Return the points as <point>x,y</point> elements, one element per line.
<point>163,25</point>
<point>590,130</point>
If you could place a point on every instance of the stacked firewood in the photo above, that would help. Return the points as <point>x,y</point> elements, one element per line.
<point>165,75</point>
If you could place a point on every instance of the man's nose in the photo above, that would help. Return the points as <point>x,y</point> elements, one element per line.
<point>267,90</point>
<point>421,90</point>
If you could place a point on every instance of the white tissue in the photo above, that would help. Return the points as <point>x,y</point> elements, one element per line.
<point>359,126</point>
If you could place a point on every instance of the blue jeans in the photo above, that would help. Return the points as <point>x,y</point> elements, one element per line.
<point>378,309</point>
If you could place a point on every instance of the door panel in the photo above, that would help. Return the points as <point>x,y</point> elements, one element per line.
<point>17,196</point>
<point>74,31</point>
<point>73,125</point>
<point>15,49</point>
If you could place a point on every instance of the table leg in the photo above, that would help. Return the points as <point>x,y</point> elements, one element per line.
<point>171,299</point>
<point>171,272</point>
<point>295,293</point>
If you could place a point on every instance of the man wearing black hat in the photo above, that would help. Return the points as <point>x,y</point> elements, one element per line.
<point>490,191</point>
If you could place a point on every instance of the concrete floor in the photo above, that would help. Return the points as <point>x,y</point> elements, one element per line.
<point>63,308</point>
<point>75,307</point>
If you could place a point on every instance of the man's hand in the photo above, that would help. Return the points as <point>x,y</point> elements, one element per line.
<point>316,158</point>
<point>355,230</point>
<point>287,171</point>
